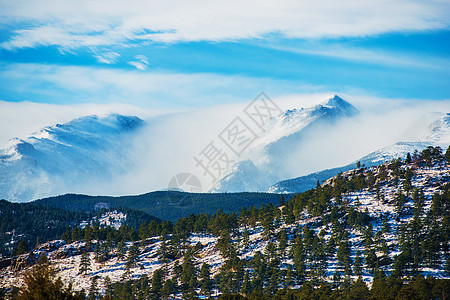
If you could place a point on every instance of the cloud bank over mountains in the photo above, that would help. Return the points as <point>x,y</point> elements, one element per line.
<point>168,142</point>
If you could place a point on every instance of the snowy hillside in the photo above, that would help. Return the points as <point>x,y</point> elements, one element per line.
<point>57,159</point>
<point>399,199</point>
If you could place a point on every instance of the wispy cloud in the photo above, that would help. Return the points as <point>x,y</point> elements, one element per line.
<point>141,62</point>
<point>106,22</point>
<point>362,55</point>
<point>107,58</point>
<point>76,84</point>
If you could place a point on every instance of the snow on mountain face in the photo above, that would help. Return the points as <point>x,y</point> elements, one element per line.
<point>295,120</point>
<point>439,131</point>
<point>283,135</point>
<point>304,183</point>
<point>438,135</point>
<point>84,152</point>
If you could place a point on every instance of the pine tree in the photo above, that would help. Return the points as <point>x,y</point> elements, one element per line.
<point>108,286</point>
<point>368,235</point>
<point>282,242</point>
<point>93,289</point>
<point>163,252</point>
<point>299,259</point>
<point>268,225</point>
<point>168,288</point>
<point>246,238</point>
<point>238,275</point>
<point>371,259</point>
<point>205,280</point>
<point>290,217</point>
<point>246,285</point>
<point>357,268</point>
<point>132,257</point>
<point>97,254</point>
<point>85,263</point>
<point>273,281</point>
<point>343,254</point>
<point>386,228</point>
<point>447,155</point>
<point>289,279</point>
<point>189,273</point>
<point>359,290</point>
<point>43,259</point>
<point>88,234</point>
<point>121,250</point>
<point>157,282</point>
<point>337,278</point>
<point>142,287</point>
<point>408,158</point>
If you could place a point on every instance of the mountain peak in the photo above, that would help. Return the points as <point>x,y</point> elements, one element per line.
<point>336,101</point>
<point>340,104</point>
<point>111,123</point>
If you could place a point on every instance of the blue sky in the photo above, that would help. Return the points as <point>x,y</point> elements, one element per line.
<point>199,54</point>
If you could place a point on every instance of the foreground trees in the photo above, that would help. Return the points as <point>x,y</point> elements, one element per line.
<point>41,284</point>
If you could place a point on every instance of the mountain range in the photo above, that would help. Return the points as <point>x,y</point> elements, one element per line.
<point>89,154</point>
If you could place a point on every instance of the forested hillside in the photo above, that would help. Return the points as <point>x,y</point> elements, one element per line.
<point>166,205</point>
<point>25,225</point>
<point>369,233</point>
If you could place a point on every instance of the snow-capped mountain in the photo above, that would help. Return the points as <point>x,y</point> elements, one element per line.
<point>284,134</point>
<point>106,155</point>
<point>438,135</point>
<point>85,152</point>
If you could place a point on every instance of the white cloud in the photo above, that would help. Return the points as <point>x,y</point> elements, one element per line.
<point>141,62</point>
<point>107,58</point>
<point>76,84</point>
<point>105,22</point>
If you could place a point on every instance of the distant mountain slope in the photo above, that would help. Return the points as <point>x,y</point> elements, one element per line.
<point>304,183</point>
<point>284,134</point>
<point>438,135</point>
<point>439,131</point>
<point>166,205</point>
<point>83,152</point>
